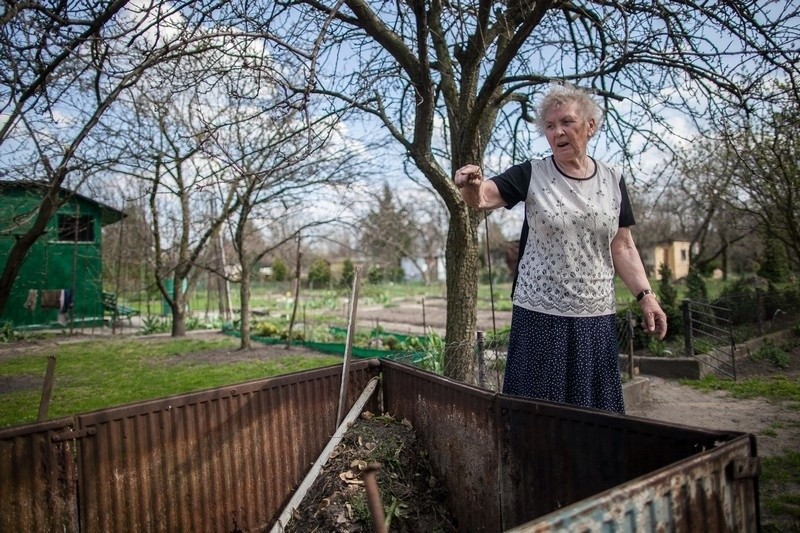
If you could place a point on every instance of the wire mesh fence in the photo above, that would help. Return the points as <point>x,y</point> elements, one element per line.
<point>708,331</point>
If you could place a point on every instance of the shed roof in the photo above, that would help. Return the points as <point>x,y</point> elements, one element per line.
<point>108,214</point>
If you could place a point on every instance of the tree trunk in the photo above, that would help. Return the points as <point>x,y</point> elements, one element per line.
<point>178,309</point>
<point>178,320</point>
<point>462,288</point>
<point>244,315</point>
<point>23,244</point>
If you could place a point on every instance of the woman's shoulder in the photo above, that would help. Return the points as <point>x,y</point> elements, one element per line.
<point>610,168</point>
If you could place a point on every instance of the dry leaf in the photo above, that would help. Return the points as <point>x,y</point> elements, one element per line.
<point>366,415</point>
<point>350,478</point>
<point>407,423</point>
<point>324,503</point>
<point>359,464</point>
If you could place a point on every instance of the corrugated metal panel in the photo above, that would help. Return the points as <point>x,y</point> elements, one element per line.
<point>229,458</point>
<point>221,460</point>
<point>37,478</point>
<point>555,455</point>
<point>457,424</point>
<point>508,460</point>
<point>698,494</point>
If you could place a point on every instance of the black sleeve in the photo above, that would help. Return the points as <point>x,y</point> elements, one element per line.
<point>626,218</point>
<point>513,183</point>
<point>523,240</point>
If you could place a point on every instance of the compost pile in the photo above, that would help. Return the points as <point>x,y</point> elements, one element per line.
<point>412,496</point>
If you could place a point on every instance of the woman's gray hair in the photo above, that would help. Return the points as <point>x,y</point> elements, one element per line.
<point>565,93</point>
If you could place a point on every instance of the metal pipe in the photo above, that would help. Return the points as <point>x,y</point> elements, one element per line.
<point>374,498</point>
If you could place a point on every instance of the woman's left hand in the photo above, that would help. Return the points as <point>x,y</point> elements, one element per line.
<point>654,320</point>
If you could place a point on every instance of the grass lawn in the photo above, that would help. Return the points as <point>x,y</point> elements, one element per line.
<point>95,374</point>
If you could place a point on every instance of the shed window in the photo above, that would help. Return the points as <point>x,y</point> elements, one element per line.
<point>75,228</point>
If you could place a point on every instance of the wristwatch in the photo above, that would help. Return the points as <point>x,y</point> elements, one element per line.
<point>643,294</point>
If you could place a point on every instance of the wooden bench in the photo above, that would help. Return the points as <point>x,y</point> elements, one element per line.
<point>110,304</point>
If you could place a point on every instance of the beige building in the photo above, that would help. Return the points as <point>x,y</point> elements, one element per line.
<point>675,254</point>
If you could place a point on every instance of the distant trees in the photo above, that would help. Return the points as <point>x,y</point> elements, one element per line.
<point>739,181</point>
<point>386,232</point>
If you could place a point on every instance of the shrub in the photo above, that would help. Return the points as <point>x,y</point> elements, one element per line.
<point>319,273</point>
<point>772,353</point>
<point>668,294</point>
<point>348,273</point>
<point>280,272</point>
<point>696,285</point>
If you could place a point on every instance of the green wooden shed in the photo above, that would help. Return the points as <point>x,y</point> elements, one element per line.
<point>61,281</point>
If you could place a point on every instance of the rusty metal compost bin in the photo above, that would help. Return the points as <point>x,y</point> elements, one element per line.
<point>231,458</point>
<point>510,463</point>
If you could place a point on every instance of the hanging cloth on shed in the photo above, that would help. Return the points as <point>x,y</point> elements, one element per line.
<point>65,301</point>
<point>51,299</point>
<point>30,303</point>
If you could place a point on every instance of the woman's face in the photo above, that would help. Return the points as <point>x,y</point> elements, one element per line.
<point>567,131</point>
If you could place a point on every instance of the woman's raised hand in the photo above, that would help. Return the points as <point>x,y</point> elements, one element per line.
<point>468,176</point>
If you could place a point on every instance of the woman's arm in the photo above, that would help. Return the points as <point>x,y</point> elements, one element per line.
<point>477,192</point>
<point>629,266</point>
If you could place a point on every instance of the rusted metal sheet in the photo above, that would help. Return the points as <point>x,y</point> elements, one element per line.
<point>509,460</point>
<point>38,478</point>
<point>697,494</point>
<point>555,455</point>
<point>458,426</point>
<point>229,459</point>
<point>220,460</point>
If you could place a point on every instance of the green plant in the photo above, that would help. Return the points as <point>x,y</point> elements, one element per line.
<point>266,329</point>
<point>154,324</point>
<point>696,285</point>
<point>360,508</point>
<point>772,353</point>
<point>194,323</point>
<point>657,348</point>
<point>376,274</point>
<point>319,273</point>
<point>774,263</point>
<point>668,294</point>
<point>348,273</point>
<point>280,272</point>
<point>8,333</point>
<point>432,357</point>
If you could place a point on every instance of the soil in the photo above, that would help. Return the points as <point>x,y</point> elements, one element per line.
<point>410,493</point>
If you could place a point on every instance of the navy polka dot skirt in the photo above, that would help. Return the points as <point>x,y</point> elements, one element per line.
<point>571,360</point>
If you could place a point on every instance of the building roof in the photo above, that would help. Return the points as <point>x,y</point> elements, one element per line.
<point>108,214</point>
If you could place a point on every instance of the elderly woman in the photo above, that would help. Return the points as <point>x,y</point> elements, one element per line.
<point>563,341</point>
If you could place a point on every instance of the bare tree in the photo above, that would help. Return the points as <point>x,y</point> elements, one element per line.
<point>450,81</point>
<point>282,166</point>
<point>764,154</point>
<point>66,65</point>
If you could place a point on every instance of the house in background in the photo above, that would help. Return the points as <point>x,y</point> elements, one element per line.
<point>673,253</point>
<point>66,261</point>
<point>426,269</point>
